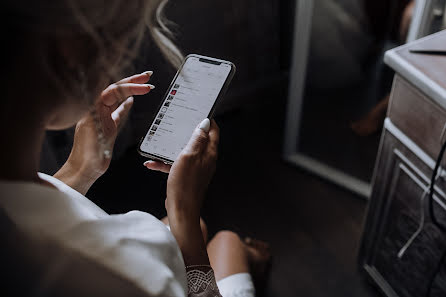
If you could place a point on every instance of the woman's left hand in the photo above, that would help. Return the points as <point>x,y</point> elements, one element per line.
<point>87,161</point>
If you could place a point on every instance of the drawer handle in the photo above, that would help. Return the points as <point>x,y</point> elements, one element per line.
<point>443,140</point>
<point>419,229</point>
<point>443,134</point>
<point>422,218</point>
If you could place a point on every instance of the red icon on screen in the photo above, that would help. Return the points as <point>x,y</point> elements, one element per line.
<point>173,92</point>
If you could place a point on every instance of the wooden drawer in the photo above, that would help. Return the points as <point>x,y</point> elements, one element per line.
<point>393,217</point>
<point>421,119</point>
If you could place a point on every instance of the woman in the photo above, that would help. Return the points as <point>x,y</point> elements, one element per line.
<point>59,59</point>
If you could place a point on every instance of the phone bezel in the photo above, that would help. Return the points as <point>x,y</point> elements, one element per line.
<point>220,95</point>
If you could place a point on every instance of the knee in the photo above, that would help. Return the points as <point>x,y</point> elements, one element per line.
<point>226,245</point>
<point>226,237</point>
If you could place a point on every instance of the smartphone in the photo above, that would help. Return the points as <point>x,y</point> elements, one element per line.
<point>192,96</point>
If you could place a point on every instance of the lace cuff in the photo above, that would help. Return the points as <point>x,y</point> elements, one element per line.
<point>201,281</point>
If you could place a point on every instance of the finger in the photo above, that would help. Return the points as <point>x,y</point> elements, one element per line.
<point>121,113</point>
<point>116,93</point>
<point>140,78</point>
<point>214,136</point>
<point>157,166</point>
<point>199,139</point>
<point>205,125</point>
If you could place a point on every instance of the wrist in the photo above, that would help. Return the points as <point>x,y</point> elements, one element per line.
<point>189,237</point>
<point>84,167</point>
<point>181,218</point>
<point>75,177</point>
<point>183,204</point>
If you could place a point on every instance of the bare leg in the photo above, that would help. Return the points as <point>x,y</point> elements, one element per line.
<point>204,228</point>
<point>230,255</point>
<point>227,255</point>
<point>373,121</point>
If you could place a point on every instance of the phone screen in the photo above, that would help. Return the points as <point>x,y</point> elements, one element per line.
<point>189,100</point>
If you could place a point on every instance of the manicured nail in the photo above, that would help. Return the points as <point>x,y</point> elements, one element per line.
<point>205,125</point>
<point>149,73</point>
<point>128,101</point>
<point>147,162</point>
<point>150,86</point>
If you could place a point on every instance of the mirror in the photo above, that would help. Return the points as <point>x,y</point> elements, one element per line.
<point>339,86</point>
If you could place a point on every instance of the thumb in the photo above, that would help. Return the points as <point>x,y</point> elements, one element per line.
<point>121,113</point>
<point>199,138</point>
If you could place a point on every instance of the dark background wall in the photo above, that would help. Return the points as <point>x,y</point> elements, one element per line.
<point>253,34</point>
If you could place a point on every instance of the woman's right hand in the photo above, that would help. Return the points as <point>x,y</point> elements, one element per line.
<point>191,173</point>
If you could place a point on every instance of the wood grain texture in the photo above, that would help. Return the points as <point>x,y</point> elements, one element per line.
<point>417,116</point>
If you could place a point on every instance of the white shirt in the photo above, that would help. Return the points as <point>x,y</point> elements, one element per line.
<point>135,246</point>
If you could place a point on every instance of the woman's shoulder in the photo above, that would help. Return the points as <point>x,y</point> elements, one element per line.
<point>36,207</point>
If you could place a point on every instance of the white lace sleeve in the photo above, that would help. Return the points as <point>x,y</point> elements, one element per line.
<point>201,281</point>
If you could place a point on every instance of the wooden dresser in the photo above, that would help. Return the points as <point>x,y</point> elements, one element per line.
<point>414,131</point>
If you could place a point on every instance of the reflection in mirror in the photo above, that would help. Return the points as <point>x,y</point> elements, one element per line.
<point>339,85</point>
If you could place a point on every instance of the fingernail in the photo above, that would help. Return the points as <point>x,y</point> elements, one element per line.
<point>150,86</point>
<point>205,125</point>
<point>149,73</point>
<point>147,162</point>
<point>128,101</point>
